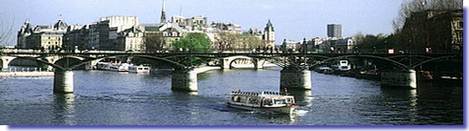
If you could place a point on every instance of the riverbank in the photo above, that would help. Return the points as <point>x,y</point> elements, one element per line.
<point>26,74</point>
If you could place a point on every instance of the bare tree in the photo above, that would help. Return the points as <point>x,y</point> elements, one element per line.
<point>412,6</point>
<point>226,40</point>
<point>249,41</point>
<point>6,29</point>
<point>153,41</point>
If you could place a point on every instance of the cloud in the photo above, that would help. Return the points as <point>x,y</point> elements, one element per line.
<point>267,7</point>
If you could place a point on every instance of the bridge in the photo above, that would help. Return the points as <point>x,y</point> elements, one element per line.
<point>295,73</point>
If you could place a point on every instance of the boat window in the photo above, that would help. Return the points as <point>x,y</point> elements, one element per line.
<point>253,101</point>
<point>290,100</point>
<point>236,98</point>
<point>268,102</point>
<point>279,101</point>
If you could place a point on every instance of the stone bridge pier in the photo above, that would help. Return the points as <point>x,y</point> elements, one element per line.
<point>295,79</point>
<point>184,80</point>
<point>63,81</point>
<point>399,78</point>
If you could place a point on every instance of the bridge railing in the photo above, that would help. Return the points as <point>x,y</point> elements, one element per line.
<point>25,69</point>
<point>243,50</point>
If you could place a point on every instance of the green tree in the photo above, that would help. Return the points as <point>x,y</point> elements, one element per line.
<point>197,42</point>
<point>194,42</point>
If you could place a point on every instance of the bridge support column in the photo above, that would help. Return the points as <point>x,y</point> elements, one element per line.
<point>259,64</point>
<point>4,65</point>
<point>63,81</point>
<point>91,65</point>
<point>295,79</point>
<point>399,79</point>
<point>5,61</point>
<point>183,80</point>
<point>225,63</point>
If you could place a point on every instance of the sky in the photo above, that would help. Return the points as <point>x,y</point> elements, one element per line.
<point>292,19</point>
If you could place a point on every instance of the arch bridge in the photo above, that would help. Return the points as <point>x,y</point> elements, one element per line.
<point>295,74</point>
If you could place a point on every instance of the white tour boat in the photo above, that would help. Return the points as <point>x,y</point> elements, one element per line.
<point>118,67</point>
<point>268,102</point>
<point>139,69</point>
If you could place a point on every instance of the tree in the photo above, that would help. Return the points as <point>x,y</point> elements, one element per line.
<point>412,6</point>
<point>6,29</point>
<point>198,42</point>
<point>375,43</point>
<point>226,41</point>
<point>154,41</point>
<point>249,41</point>
<point>194,42</point>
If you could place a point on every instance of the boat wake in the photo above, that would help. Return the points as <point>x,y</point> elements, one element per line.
<point>301,112</point>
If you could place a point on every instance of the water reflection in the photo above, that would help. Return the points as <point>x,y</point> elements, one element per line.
<point>64,105</point>
<point>302,98</point>
<point>277,118</point>
<point>443,101</point>
<point>184,95</point>
<point>404,100</point>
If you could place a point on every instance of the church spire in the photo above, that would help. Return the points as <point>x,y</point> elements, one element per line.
<point>269,26</point>
<point>163,13</point>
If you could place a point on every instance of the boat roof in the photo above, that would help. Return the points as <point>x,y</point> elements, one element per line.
<point>261,94</point>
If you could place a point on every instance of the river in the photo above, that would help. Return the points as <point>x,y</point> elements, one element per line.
<point>112,98</point>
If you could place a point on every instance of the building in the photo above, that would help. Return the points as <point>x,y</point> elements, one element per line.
<point>42,36</point>
<point>196,23</point>
<point>269,35</point>
<point>171,32</point>
<point>76,39</point>
<point>334,31</point>
<point>25,31</point>
<point>103,34</point>
<point>344,45</point>
<point>225,27</point>
<point>290,45</point>
<point>433,31</point>
<point>130,40</point>
<point>121,22</point>
<point>163,13</point>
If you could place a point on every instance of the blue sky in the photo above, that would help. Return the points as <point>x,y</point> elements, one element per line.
<point>292,19</point>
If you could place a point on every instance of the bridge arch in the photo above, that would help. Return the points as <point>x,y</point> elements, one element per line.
<point>412,56</point>
<point>171,63</point>
<point>68,61</point>
<point>433,60</point>
<point>69,57</point>
<point>395,63</point>
<point>39,60</point>
<point>228,61</point>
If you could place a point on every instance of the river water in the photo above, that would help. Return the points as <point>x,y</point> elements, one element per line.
<point>112,98</point>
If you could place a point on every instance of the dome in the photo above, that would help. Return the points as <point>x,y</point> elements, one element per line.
<point>60,25</point>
